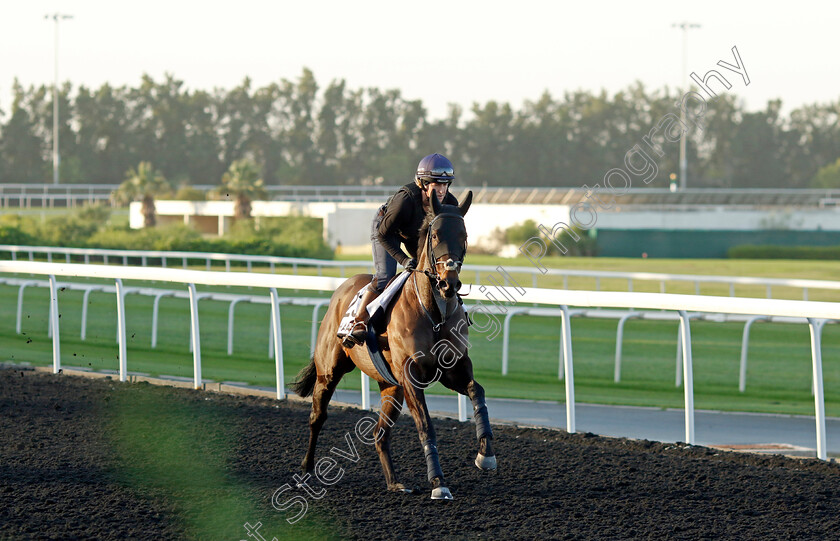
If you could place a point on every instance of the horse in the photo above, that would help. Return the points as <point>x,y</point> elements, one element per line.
<point>426,340</point>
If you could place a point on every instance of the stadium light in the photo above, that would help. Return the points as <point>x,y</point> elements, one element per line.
<point>685,27</point>
<point>56,159</point>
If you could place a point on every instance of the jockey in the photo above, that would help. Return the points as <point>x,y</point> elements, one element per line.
<point>398,221</point>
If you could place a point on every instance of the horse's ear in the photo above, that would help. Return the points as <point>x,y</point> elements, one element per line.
<point>435,204</point>
<point>465,204</point>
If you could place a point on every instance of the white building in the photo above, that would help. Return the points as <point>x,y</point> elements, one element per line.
<point>347,223</point>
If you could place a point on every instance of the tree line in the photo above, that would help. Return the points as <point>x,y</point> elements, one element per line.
<point>299,133</point>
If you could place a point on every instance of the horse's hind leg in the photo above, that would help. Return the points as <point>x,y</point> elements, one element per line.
<point>460,379</point>
<point>324,388</point>
<point>391,398</point>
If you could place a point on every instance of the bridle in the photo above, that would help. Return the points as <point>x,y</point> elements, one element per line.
<point>432,254</point>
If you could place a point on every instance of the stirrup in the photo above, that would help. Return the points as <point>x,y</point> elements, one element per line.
<point>356,336</point>
<point>358,332</point>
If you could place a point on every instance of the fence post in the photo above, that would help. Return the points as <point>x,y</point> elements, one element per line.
<point>679,371</point>
<point>506,339</point>
<point>314,336</point>
<point>462,408</point>
<point>85,298</point>
<point>278,343</point>
<point>745,344</point>
<point>121,329</point>
<point>365,392</point>
<point>155,310</point>
<point>688,376</point>
<point>18,327</point>
<point>815,325</point>
<point>233,303</point>
<point>195,337</point>
<point>619,342</point>
<point>567,360</point>
<point>54,325</point>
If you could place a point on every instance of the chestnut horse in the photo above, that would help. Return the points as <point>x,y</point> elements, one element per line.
<point>426,342</point>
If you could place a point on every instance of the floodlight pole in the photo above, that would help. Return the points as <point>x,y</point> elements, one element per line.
<point>685,27</point>
<point>56,158</point>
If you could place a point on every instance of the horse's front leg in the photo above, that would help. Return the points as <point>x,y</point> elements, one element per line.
<point>486,458</point>
<point>459,378</point>
<point>416,401</point>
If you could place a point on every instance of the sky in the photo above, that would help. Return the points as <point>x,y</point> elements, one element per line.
<point>439,52</point>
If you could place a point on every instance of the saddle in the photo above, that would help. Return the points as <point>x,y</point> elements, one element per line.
<point>376,323</point>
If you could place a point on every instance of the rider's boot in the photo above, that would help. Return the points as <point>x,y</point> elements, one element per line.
<point>359,330</point>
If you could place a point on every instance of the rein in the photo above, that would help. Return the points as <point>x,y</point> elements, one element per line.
<point>444,315</point>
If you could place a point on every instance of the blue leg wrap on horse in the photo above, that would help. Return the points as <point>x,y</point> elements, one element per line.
<point>482,421</point>
<point>432,461</point>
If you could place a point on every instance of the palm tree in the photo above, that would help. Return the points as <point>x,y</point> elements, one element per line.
<point>242,182</point>
<point>143,183</point>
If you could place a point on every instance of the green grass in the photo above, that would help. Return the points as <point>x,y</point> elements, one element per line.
<point>778,376</point>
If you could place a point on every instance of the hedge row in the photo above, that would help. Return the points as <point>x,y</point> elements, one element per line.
<point>749,251</point>
<point>178,238</point>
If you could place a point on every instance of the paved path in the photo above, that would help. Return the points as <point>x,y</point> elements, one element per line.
<point>711,428</point>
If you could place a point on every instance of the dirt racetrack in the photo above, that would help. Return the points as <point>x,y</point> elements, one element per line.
<point>59,477</point>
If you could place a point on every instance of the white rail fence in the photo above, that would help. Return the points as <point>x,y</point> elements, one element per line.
<point>816,313</point>
<point>50,195</point>
<point>622,316</point>
<point>148,257</point>
<point>157,295</point>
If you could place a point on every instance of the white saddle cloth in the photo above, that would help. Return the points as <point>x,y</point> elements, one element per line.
<point>379,303</point>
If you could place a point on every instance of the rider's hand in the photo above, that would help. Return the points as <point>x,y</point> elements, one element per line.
<point>411,264</point>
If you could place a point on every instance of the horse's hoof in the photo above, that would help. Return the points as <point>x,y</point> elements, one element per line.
<point>485,462</point>
<point>441,493</point>
<point>399,487</point>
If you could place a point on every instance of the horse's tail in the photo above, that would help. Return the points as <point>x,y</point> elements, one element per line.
<point>305,382</point>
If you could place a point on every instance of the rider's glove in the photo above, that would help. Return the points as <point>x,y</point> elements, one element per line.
<point>410,265</point>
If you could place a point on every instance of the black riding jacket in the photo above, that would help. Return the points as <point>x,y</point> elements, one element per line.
<point>403,217</point>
